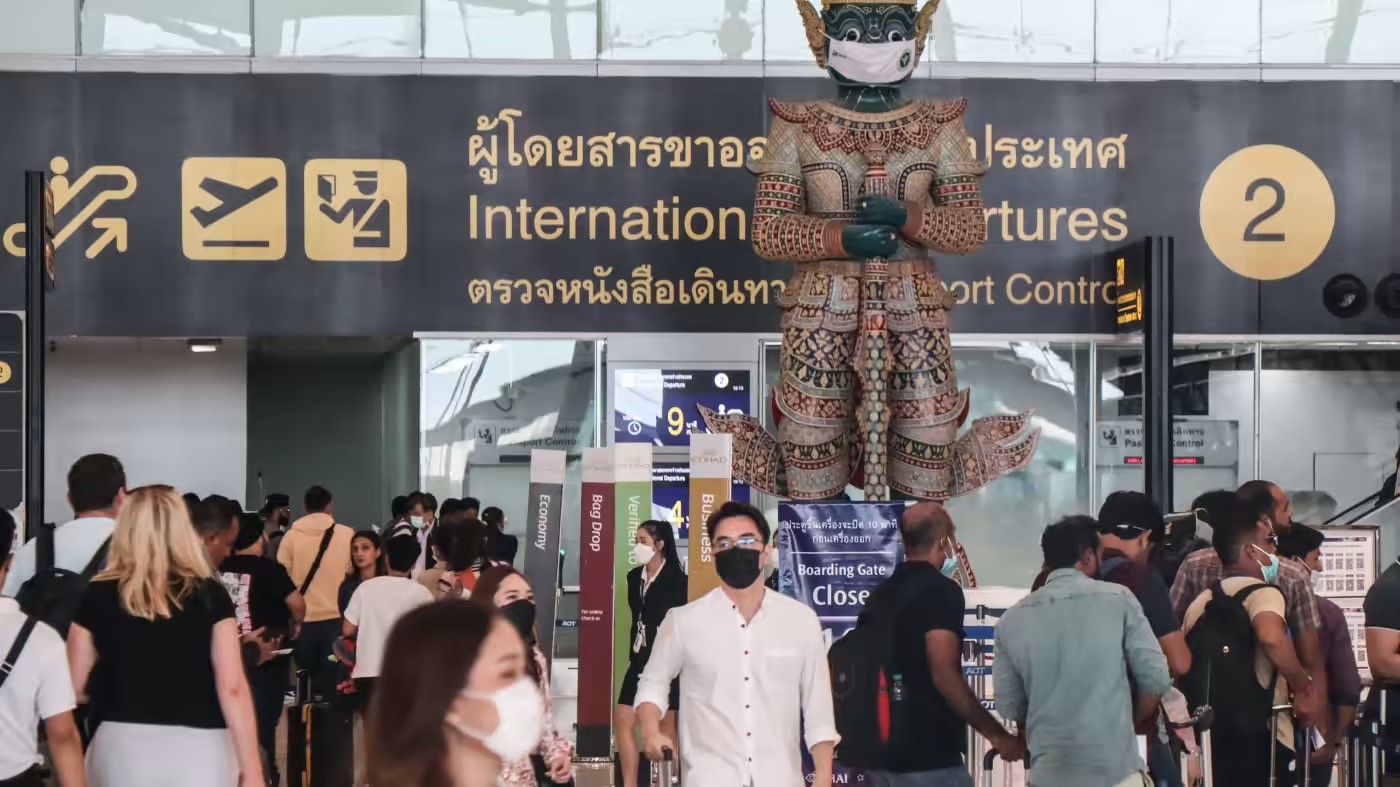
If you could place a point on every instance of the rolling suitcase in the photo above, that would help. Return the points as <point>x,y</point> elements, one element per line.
<point>666,773</point>
<point>320,742</point>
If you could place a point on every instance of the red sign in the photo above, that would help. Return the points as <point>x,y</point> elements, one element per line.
<point>595,619</point>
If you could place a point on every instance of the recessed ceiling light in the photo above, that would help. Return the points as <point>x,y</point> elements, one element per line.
<point>204,345</point>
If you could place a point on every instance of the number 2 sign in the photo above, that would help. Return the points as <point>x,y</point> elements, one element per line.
<point>1267,212</point>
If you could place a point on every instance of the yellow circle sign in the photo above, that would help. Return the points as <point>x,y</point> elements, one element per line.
<point>4,372</point>
<point>1267,211</point>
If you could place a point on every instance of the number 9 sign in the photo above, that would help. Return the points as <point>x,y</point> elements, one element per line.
<point>1267,212</point>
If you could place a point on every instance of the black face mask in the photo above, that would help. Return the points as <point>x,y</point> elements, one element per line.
<point>738,567</point>
<point>521,614</point>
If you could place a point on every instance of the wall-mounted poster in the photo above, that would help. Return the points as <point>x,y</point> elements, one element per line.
<point>658,406</point>
<point>1348,561</point>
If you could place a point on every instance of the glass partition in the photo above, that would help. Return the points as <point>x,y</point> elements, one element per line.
<point>1213,410</point>
<point>38,27</point>
<point>1205,32</point>
<point>349,28</point>
<point>1329,419</point>
<point>511,29</point>
<point>163,27</point>
<point>698,30</point>
<point>487,404</point>
<point>1000,524</point>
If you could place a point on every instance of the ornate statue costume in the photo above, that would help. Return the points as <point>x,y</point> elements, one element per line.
<point>856,192</point>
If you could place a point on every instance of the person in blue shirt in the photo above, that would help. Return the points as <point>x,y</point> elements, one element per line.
<point>1063,657</point>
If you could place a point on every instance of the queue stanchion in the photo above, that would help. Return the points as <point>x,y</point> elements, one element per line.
<point>1370,738</point>
<point>975,651</point>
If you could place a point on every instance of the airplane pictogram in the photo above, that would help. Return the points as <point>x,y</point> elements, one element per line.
<point>113,231</point>
<point>231,197</point>
<point>234,208</point>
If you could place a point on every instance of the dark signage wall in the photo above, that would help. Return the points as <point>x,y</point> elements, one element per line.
<point>320,205</point>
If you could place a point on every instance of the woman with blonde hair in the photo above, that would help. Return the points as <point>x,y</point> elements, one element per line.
<point>155,647</point>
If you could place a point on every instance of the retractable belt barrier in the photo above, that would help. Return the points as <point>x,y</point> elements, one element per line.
<point>1370,741</point>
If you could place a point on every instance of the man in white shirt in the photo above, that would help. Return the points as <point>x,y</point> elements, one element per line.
<point>36,686</point>
<point>753,671</point>
<point>96,489</point>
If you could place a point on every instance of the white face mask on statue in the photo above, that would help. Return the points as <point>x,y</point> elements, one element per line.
<point>885,63</point>
<point>520,710</point>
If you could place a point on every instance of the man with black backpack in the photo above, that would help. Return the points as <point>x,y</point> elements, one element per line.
<point>96,488</point>
<point>912,624</point>
<point>35,686</point>
<point>1243,662</point>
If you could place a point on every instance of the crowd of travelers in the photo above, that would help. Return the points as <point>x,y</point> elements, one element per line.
<point>160,648</point>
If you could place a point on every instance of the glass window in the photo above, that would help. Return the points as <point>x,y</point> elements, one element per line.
<point>1013,31</point>
<point>1177,31</point>
<point>513,29</point>
<point>1000,524</point>
<point>164,27</point>
<point>38,27</point>
<point>1328,31</point>
<point>1328,429</point>
<point>698,30</point>
<point>1212,401</point>
<point>486,404</point>
<point>784,40</point>
<point>311,28</point>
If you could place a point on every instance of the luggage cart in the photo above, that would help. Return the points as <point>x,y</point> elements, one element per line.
<point>989,771</point>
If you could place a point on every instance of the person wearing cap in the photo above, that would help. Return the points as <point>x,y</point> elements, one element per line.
<point>1127,522</point>
<point>1304,544</point>
<point>276,512</point>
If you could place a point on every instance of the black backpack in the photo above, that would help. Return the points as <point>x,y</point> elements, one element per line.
<point>1223,648</point>
<point>868,700</point>
<point>52,595</point>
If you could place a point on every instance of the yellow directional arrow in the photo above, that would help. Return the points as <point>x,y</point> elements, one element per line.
<point>113,230</point>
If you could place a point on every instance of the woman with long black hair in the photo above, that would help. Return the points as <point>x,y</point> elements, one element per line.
<point>655,587</point>
<point>366,562</point>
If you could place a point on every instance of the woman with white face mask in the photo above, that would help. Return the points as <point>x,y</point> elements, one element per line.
<point>454,700</point>
<point>656,586</point>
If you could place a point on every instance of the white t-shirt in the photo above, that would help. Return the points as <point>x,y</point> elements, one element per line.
<point>74,544</point>
<point>374,609</point>
<point>40,687</point>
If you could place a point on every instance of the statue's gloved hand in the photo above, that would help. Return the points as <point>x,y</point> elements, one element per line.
<point>865,241</point>
<point>880,209</point>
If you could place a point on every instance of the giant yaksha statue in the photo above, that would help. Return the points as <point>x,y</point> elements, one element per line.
<point>856,192</point>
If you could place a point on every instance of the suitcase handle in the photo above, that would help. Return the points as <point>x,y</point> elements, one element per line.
<point>1200,722</point>
<point>989,760</point>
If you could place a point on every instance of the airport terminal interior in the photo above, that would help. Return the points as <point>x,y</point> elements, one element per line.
<point>474,248</point>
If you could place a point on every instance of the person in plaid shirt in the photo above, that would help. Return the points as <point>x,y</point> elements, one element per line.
<point>1202,569</point>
